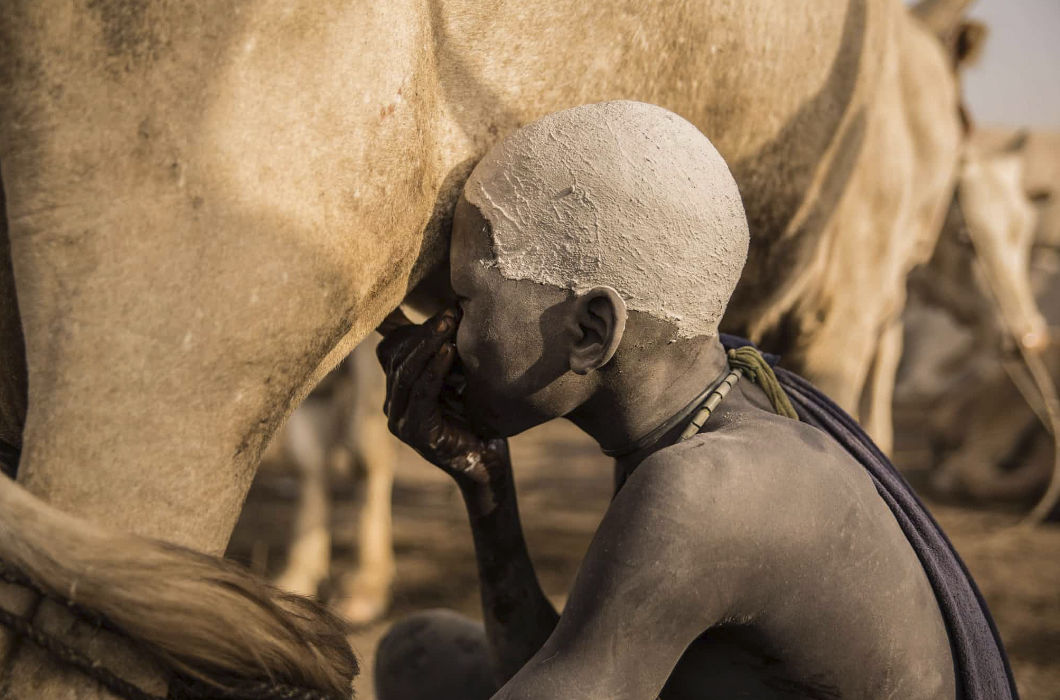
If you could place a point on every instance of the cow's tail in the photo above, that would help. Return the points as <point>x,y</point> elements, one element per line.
<point>1032,359</point>
<point>208,619</point>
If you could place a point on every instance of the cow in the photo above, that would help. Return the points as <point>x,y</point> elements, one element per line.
<point>978,310</point>
<point>338,427</point>
<point>210,204</point>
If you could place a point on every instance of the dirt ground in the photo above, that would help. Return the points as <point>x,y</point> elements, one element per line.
<point>564,487</point>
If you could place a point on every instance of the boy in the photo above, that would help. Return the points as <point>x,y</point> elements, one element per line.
<point>746,553</point>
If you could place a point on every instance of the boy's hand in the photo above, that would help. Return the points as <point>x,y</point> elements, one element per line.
<point>424,410</point>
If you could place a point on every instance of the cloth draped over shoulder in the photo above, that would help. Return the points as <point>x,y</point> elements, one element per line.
<point>980,664</point>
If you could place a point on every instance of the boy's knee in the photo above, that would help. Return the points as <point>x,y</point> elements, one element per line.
<point>435,654</point>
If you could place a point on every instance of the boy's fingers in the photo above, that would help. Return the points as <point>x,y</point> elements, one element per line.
<point>398,347</point>
<point>400,341</point>
<point>429,387</point>
<point>423,417</point>
<point>422,420</point>
<point>396,344</point>
<point>396,319</point>
<point>407,374</point>
<point>391,352</point>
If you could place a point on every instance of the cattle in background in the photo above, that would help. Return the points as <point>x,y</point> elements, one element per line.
<point>826,290</point>
<point>992,285</point>
<point>340,427</point>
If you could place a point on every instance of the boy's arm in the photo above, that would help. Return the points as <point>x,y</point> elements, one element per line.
<point>518,617</point>
<point>656,576</point>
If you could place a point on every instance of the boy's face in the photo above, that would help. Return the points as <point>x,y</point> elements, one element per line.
<point>514,338</point>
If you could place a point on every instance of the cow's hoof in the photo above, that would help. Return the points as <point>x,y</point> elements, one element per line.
<point>363,599</point>
<point>298,582</point>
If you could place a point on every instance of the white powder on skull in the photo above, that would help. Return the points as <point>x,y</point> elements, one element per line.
<point>623,194</point>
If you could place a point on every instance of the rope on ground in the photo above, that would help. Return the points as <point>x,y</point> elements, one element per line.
<point>65,653</point>
<point>180,687</point>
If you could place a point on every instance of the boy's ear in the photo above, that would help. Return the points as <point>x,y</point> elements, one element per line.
<point>600,314</point>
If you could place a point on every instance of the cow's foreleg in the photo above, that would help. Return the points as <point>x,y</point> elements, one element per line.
<point>839,355</point>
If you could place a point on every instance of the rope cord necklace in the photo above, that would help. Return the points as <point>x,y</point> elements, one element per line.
<point>747,362</point>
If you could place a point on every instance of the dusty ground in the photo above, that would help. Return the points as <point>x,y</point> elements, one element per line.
<point>564,487</point>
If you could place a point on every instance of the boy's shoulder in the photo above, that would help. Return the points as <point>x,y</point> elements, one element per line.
<point>762,471</point>
<point>742,450</point>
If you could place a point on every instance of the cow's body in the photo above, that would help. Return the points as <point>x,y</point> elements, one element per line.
<point>210,204</point>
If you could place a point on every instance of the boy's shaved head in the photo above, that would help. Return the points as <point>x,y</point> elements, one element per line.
<point>623,194</point>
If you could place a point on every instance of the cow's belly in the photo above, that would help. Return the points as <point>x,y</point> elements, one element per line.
<point>205,218</point>
<point>193,229</point>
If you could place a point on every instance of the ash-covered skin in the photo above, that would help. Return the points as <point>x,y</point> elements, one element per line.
<point>753,560</point>
<point>621,193</point>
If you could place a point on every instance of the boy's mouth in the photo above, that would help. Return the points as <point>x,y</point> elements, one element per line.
<point>454,402</point>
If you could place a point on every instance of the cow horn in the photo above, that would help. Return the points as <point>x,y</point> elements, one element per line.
<point>1040,195</point>
<point>1017,143</point>
<point>941,16</point>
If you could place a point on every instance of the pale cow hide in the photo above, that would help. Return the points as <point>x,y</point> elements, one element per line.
<point>210,204</point>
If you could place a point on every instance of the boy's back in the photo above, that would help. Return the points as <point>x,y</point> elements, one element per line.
<point>832,580</point>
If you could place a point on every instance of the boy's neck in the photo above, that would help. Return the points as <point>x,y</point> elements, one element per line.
<point>642,391</point>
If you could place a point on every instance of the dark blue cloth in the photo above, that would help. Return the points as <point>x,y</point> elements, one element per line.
<point>980,663</point>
